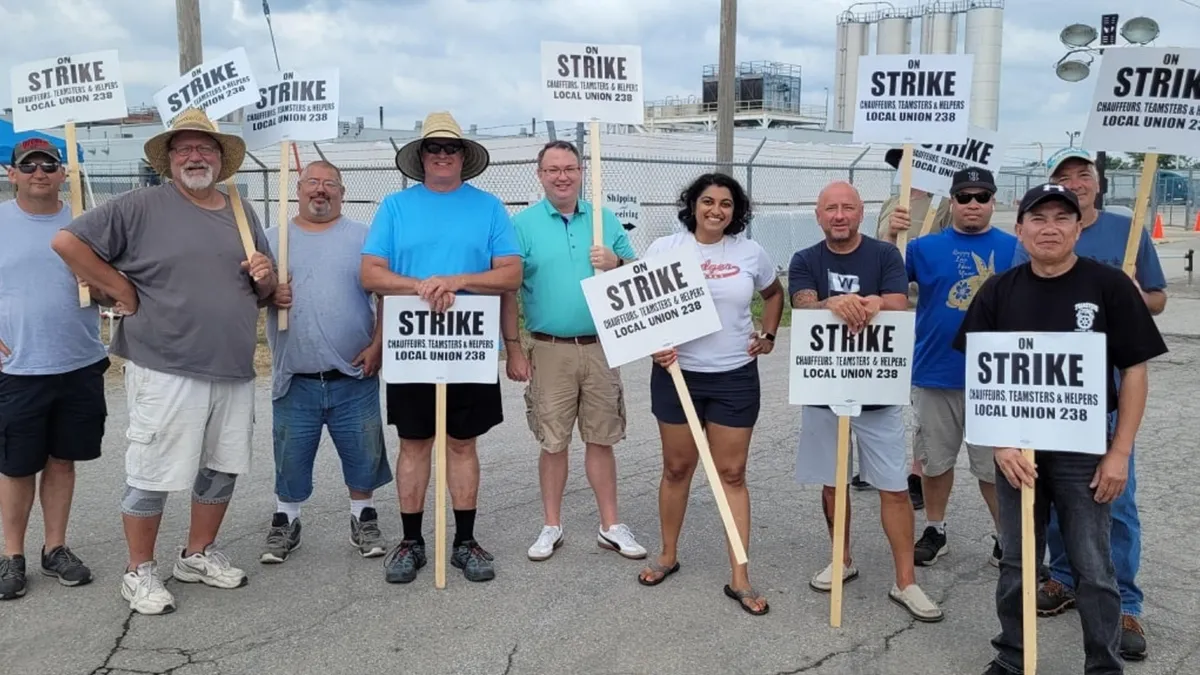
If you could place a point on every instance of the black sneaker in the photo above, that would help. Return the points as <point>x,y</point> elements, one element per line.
<point>64,565</point>
<point>12,577</point>
<point>859,484</point>
<point>475,562</point>
<point>915,492</point>
<point>996,669</point>
<point>930,547</point>
<point>996,552</point>
<point>282,539</point>
<point>365,534</point>
<point>1133,639</point>
<point>1053,598</point>
<point>401,565</point>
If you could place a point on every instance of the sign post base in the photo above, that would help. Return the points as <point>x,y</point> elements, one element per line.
<point>844,413</point>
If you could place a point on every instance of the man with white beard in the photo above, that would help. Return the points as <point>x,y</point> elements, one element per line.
<point>171,257</point>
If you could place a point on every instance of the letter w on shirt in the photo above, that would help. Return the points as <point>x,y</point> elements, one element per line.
<point>843,283</point>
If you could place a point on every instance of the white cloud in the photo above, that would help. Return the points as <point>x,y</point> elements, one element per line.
<point>479,58</point>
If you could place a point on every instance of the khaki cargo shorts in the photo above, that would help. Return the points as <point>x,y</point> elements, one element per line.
<point>938,436</point>
<point>573,384</point>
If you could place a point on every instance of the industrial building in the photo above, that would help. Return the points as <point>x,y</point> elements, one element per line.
<point>982,36</point>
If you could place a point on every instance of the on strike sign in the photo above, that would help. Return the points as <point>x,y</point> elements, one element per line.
<point>1044,391</point>
<point>293,105</point>
<point>1147,100</point>
<point>905,98</point>
<point>934,165</point>
<point>458,345</point>
<point>830,365</point>
<point>651,305</point>
<point>581,82</point>
<point>218,87</point>
<point>77,88</point>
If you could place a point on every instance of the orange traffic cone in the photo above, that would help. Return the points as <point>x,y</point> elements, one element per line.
<point>1197,226</point>
<point>1158,227</point>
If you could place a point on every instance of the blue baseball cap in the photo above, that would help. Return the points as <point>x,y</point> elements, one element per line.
<point>1056,160</point>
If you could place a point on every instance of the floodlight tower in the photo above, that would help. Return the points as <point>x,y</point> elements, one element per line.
<point>1076,64</point>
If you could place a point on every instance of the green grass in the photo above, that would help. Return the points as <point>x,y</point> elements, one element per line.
<point>756,308</point>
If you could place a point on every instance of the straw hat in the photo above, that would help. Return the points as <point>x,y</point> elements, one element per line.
<point>441,125</point>
<point>233,149</point>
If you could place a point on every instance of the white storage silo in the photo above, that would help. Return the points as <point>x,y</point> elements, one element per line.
<point>943,32</point>
<point>894,36</point>
<point>984,36</point>
<point>852,42</point>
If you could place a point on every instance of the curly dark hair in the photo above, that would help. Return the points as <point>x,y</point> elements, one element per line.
<point>742,210</point>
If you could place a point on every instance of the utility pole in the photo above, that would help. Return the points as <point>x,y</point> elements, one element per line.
<point>191,51</point>
<point>725,83</point>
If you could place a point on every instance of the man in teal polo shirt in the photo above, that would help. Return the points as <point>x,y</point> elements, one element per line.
<point>569,377</point>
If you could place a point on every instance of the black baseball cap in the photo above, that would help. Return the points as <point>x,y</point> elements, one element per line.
<point>893,157</point>
<point>31,146</point>
<point>1045,193</point>
<point>972,177</point>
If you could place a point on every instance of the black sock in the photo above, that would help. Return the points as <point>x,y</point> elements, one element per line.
<point>411,522</point>
<point>464,526</point>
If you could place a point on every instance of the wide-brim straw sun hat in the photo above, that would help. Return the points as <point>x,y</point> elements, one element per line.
<point>233,148</point>
<point>441,125</point>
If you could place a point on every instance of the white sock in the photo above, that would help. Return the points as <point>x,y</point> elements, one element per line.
<point>357,506</point>
<point>939,525</point>
<point>292,509</point>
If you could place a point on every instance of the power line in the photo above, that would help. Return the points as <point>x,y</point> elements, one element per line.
<point>1189,2</point>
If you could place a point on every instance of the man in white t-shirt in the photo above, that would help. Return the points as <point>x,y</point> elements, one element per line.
<point>720,369</point>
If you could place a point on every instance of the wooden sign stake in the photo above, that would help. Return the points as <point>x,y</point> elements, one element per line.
<point>905,189</point>
<point>76,190</point>
<point>597,181</point>
<point>283,227</point>
<point>439,556</point>
<point>930,216</point>
<point>842,468</point>
<point>1145,185</point>
<point>1028,575</point>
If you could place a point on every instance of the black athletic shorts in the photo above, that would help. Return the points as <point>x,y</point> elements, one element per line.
<point>730,399</point>
<point>471,409</point>
<point>42,416</point>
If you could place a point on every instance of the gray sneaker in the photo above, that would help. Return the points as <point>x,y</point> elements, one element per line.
<point>12,577</point>
<point>401,565</point>
<point>475,562</point>
<point>282,539</point>
<point>62,564</point>
<point>365,534</point>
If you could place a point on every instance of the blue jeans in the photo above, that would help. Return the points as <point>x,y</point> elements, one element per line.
<point>1126,542</point>
<point>350,409</point>
<point>1063,479</point>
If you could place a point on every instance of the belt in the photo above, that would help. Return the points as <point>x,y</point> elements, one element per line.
<point>579,339</point>
<point>327,375</point>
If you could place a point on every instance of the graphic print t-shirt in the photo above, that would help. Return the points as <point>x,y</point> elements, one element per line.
<point>1090,297</point>
<point>949,268</point>
<point>734,268</point>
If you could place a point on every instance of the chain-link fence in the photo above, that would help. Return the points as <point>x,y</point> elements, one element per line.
<point>784,195</point>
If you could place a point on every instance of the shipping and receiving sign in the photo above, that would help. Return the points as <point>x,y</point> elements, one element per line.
<point>1146,100</point>
<point>626,207</point>
<point>651,305</point>
<point>911,98</point>
<point>293,106</point>
<point>76,88</point>
<point>218,86</point>
<point>832,365</point>
<point>581,82</point>
<point>1044,391</point>
<point>934,165</point>
<point>460,344</point>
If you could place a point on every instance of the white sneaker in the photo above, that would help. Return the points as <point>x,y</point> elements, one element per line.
<point>549,540</point>
<point>145,591</point>
<point>618,538</point>
<point>823,581</point>
<point>917,603</point>
<point>210,567</point>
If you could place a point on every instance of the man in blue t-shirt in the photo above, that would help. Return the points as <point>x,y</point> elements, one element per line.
<point>1103,239</point>
<point>434,240</point>
<point>949,268</point>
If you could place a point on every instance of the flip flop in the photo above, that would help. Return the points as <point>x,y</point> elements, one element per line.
<point>661,569</point>
<point>740,597</point>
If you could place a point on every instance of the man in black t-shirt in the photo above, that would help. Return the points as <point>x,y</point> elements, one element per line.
<point>856,277</point>
<point>1058,291</point>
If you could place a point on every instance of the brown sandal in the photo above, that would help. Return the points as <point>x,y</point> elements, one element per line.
<point>750,593</point>
<point>660,569</point>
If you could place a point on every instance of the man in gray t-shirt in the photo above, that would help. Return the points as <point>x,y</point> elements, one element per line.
<point>172,258</point>
<point>325,366</point>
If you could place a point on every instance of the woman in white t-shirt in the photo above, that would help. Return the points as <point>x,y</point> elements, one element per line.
<point>721,369</point>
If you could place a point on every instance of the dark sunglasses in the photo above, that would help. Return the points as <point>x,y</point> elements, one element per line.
<point>434,148</point>
<point>30,167</point>
<point>966,197</point>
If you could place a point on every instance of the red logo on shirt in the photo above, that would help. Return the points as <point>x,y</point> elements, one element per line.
<point>719,270</point>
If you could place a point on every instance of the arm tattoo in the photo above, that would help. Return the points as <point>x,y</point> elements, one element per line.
<point>806,299</point>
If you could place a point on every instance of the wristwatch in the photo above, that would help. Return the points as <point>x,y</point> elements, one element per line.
<point>769,336</point>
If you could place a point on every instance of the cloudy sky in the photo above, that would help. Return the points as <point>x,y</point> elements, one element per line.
<point>480,58</point>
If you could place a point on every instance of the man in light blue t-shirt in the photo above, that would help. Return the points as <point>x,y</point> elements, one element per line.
<point>949,268</point>
<point>1104,239</point>
<point>434,240</point>
<point>324,367</point>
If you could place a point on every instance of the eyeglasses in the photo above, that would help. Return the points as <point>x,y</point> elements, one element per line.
<point>46,167</point>
<point>966,197</point>
<point>327,184</point>
<point>187,150</point>
<point>556,171</point>
<point>434,148</point>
